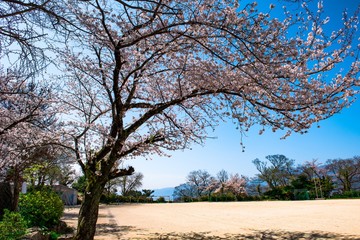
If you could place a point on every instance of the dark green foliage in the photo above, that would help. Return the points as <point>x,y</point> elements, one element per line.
<point>13,226</point>
<point>54,235</point>
<point>347,194</point>
<point>280,193</point>
<point>161,200</point>
<point>302,182</point>
<point>147,192</point>
<point>226,197</point>
<point>42,208</point>
<point>204,198</point>
<point>327,185</point>
<point>80,184</point>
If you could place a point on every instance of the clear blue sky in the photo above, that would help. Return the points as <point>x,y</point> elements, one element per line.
<point>337,137</point>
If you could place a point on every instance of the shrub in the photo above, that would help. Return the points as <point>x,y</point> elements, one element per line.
<point>161,200</point>
<point>13,226</point>
<point>42,208</point>
<point>280,193</point>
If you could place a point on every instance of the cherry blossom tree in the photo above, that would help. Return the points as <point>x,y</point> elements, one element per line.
<point>145,77</point>
<point>28,29</point>
<point>27,113</point>
<point>200,180</point>
<point>26,119</point>
<point>236,185</point>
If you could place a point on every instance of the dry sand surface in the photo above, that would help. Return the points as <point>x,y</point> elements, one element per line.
<point>321,219</point>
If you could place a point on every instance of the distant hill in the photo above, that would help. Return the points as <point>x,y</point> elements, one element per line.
<point>163,192</point>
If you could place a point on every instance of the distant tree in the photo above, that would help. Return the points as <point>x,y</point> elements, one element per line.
<point>345,171</point>
<point>200,180</point>
<point>314,177</point>
<point>127,184</point>
<point>184,191</point>
<point>222,177</point>
<point>278,173</point>
<point>236,185</point>
<point>112,186</point>
<point>147,192</point>
<point>254,187</point>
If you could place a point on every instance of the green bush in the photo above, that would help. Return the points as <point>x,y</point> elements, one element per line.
<point>280,193</point>
<point>42,208</point>
<point>161,200</point>
<point>13,226</point>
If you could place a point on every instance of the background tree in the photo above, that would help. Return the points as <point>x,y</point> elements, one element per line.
<point>255,187</point>
<point>236,185</point>
<point>199,180</point>
<point>346,172</point>
<point>184,192</point>
<point>147,192</point>
<point>279,173</point>
<point>316,178</point>
<point>149,76</point>
<point>112,186</point>
<point>127,184</point>
<point>222,177</point>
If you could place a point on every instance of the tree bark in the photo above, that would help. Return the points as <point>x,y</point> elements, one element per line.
<point>89,210</point>
<point>5,197</point>
<point>16,193</point>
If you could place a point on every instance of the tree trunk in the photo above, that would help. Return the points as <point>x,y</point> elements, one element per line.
<point>89,210</point>
<point>5,197</point>
<point>16,194</point>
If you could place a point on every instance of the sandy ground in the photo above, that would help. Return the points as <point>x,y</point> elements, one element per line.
<point>321,219</point>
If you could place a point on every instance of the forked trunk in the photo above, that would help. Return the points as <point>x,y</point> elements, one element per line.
<point>89,211</point>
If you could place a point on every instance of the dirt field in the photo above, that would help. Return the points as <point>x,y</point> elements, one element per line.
<point>321,219</point>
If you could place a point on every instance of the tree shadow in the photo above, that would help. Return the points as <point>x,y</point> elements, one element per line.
<point>256,235</point>
<point>70,215</point>
<point>114,231</point>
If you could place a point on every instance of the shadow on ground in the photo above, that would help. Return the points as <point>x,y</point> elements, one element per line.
<point>70,215</point>
<point>257,235</point>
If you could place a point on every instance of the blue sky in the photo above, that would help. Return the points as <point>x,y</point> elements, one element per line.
<point>337,137</point>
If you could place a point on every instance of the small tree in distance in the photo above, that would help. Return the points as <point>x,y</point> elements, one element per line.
<point>128,184</point>
<point>346,172</point>
<point>278,173</point>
